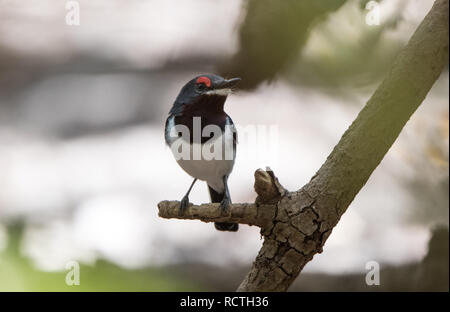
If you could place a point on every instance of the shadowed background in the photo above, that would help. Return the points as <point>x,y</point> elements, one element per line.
<point>83,162</point>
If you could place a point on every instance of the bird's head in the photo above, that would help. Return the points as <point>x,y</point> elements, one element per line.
<point>203,92</point>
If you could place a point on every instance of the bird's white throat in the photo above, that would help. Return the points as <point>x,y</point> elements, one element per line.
<point>223,92</point>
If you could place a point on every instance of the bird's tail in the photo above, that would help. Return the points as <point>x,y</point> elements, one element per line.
<point>221,226</point>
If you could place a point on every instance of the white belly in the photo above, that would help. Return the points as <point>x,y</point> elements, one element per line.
<point>210,170</point>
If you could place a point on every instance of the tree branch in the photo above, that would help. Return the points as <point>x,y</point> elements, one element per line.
<point>238,213</point>
<point>248,213</point>
<point>295,225</point>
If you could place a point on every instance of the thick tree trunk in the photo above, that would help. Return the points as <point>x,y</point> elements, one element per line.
<point>295,225</point>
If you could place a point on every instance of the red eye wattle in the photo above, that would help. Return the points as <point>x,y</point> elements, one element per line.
<point>204,80</point>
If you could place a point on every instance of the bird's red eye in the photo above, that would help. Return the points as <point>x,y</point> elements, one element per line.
<point>204,80</point>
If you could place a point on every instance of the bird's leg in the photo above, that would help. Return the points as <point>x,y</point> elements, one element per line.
<point>226,201</point>
<point>185,200</point>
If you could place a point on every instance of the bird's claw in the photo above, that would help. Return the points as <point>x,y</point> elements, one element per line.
<point>184,204</point>
<point>224,204</point>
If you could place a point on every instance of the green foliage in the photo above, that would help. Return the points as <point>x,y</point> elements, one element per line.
<point>19,274</point>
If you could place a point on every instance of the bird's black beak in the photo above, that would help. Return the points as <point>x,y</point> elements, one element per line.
<point>228,83</point>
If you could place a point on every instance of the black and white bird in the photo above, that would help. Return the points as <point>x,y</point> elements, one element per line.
<point>203,138</point>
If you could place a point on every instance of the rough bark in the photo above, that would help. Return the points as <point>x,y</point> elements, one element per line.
<point>295,225</point>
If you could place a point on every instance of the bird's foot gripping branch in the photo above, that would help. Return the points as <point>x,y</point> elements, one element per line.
<point>291,224</point>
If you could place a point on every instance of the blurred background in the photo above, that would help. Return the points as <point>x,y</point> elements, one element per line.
<point>83,162</point>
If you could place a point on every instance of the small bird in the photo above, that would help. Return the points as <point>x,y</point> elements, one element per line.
<point>198,123</point>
